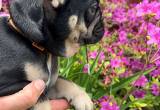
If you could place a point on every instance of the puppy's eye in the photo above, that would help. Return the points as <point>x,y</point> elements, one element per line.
<point>92,10</point>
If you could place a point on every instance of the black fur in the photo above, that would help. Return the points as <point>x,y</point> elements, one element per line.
<point>40,22</point>
<point>14,52</point>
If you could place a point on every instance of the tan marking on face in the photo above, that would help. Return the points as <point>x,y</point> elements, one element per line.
<point>35,71</point>
<point>71,44</point>
<point>74,25</point>
<point>71,48</point>
<point>82,27</point>
<point>56,3</point>
<point>43,106</point>
<point>73,21</point>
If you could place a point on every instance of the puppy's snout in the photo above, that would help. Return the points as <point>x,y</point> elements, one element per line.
<point>84,35</point>
<point>95,32</point>
<point>99,29</point>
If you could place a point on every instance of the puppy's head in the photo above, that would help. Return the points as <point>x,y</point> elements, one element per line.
<point>72,23</point>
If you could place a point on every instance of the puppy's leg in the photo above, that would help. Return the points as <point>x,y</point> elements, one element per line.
<point>44,105</point>
<point>56,3</point>
<point>73,93</point>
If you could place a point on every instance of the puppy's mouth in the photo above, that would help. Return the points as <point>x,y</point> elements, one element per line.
<point>72,49</point>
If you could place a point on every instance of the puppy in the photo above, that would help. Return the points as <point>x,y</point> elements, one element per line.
<point>37,32</point>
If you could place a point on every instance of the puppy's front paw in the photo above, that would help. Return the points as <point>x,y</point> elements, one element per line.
<point>82,101</point>
<point>74,94</point>
<point>56,3</point>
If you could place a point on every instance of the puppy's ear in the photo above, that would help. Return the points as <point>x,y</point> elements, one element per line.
<point>28,17</point>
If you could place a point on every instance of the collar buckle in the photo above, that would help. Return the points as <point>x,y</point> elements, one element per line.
<point>13,26</point>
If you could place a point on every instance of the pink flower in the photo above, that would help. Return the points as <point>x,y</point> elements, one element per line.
<point>141,82</point>
<point>146,8</point>
<point>106,104</point>
<point>86,68</point>
<point>102,57</point>
<point>136,64</point>
<point>139,93</point>
<point>119,15</point>
<point>93,55</point>
<point>123,36</point>
<point>106,33</point>
<point>125,74</point>
<point>109,106</point>
<point>155,89</point>
<point>154,34</point>
<point>155,73</point>
<point>110,50</point>
<point>143,28</point>
<point>107,80</point>
<point>157,63</point>
<point>125,60</point>
<point>115,63</point>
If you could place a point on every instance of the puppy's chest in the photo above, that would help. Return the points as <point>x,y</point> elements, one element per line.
<point>47,71</point>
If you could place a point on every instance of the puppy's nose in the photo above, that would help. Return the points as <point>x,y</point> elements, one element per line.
<point>82,37</point>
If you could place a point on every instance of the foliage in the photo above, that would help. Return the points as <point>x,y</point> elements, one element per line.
<point>122,72</point>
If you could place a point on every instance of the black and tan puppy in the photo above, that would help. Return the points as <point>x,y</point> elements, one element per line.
<point>59,27</point>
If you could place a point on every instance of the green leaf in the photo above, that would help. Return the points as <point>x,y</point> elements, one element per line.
<point>68,65</point>
<point>101,92</point>
<point>94,64</point>
<point>129,80</point>
<point>99,72</point>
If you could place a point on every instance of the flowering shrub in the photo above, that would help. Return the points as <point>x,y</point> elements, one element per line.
<point>122,72</point>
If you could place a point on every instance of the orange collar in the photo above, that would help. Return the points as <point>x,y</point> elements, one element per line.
<point>34,44</point>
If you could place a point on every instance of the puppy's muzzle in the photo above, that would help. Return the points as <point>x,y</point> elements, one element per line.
<point>95,31</point>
